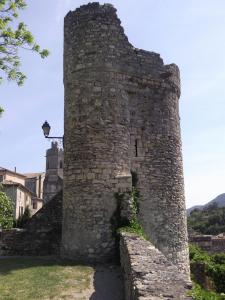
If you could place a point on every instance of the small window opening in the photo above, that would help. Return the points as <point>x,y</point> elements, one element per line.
<point>20,210</point>
<point>136,148</point>
<point>60,164</point>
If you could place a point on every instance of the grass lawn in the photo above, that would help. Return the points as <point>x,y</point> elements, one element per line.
<point>38,278</point>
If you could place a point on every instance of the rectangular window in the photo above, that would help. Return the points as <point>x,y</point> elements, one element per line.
<point>34,205</point>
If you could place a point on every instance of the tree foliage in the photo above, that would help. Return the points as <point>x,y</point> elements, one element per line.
<point>6,211</point>
<point>208,221</point>
<point>14,35</point>
<point>214,267</point>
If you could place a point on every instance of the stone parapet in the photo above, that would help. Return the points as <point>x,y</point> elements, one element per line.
<point>148,275</point>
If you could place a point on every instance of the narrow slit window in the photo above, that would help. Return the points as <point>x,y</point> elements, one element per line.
<point>136,148</point>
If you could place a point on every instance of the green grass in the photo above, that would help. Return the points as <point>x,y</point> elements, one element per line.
<point>36,278</point>
<point>133,227</point>
<point>198,293</point>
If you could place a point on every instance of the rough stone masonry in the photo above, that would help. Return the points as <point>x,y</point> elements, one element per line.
<point>121,118</point>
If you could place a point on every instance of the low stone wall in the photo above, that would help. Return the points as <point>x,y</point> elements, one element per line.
<point>41,236</point>
<point>210,243</point>
<point>148,275</point>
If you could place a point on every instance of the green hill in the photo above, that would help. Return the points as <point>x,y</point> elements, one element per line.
<point>219,200</point>
<point>210,220</point>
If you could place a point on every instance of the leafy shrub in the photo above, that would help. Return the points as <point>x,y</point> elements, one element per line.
<point>217,273</point>
<point>214,266</point>
<point>198,255</point>
<point>219,258</point>
<point>134,227</point>
<point>6,211</point>
<point>197,293</point>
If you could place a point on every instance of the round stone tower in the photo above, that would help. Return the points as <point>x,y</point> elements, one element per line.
<point>96,133</point>
<point>121,118</point>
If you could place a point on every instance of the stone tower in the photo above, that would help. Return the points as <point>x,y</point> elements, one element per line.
<point>53,182</point>
<point>121,118</point>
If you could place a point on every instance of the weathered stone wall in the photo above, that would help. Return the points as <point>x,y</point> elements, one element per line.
<point>209,243</point>
<point>41,235</point>
<point>156,148</point>
<point>96,132</point>
<point>147,272</point>
<point>121,116</point>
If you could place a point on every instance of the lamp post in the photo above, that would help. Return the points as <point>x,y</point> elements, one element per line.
<point>46,130</point>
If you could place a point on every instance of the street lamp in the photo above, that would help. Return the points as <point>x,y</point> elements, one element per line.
<point>46,130</point>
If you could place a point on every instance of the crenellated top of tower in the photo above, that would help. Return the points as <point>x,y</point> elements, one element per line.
<point>96,6</point>
<point>96,39</point>
<point>93,12</point>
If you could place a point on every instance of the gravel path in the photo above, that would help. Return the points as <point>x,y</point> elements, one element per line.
<point>107,283</point>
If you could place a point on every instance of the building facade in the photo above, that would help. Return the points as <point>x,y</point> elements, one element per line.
<point>34,182</point>
<point>13,176</point>
<point>14,186</point>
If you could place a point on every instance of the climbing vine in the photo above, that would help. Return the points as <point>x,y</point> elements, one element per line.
<point>133,225</point>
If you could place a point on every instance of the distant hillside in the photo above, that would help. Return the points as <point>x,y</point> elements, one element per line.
<point>219,200</point>
<point>209,218</point>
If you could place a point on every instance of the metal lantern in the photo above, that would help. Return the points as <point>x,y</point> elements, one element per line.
<point>46,128</point>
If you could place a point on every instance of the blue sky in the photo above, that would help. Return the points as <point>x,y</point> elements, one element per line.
<point>188,33</point>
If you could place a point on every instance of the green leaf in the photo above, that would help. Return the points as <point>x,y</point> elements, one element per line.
<point>14,36</point>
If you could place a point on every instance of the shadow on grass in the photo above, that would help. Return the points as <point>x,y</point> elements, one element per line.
<point>107,282</point>
<point>13,263</point>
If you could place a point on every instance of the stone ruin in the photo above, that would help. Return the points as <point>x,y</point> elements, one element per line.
<point>122,132</point>
<point>121,129</point>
